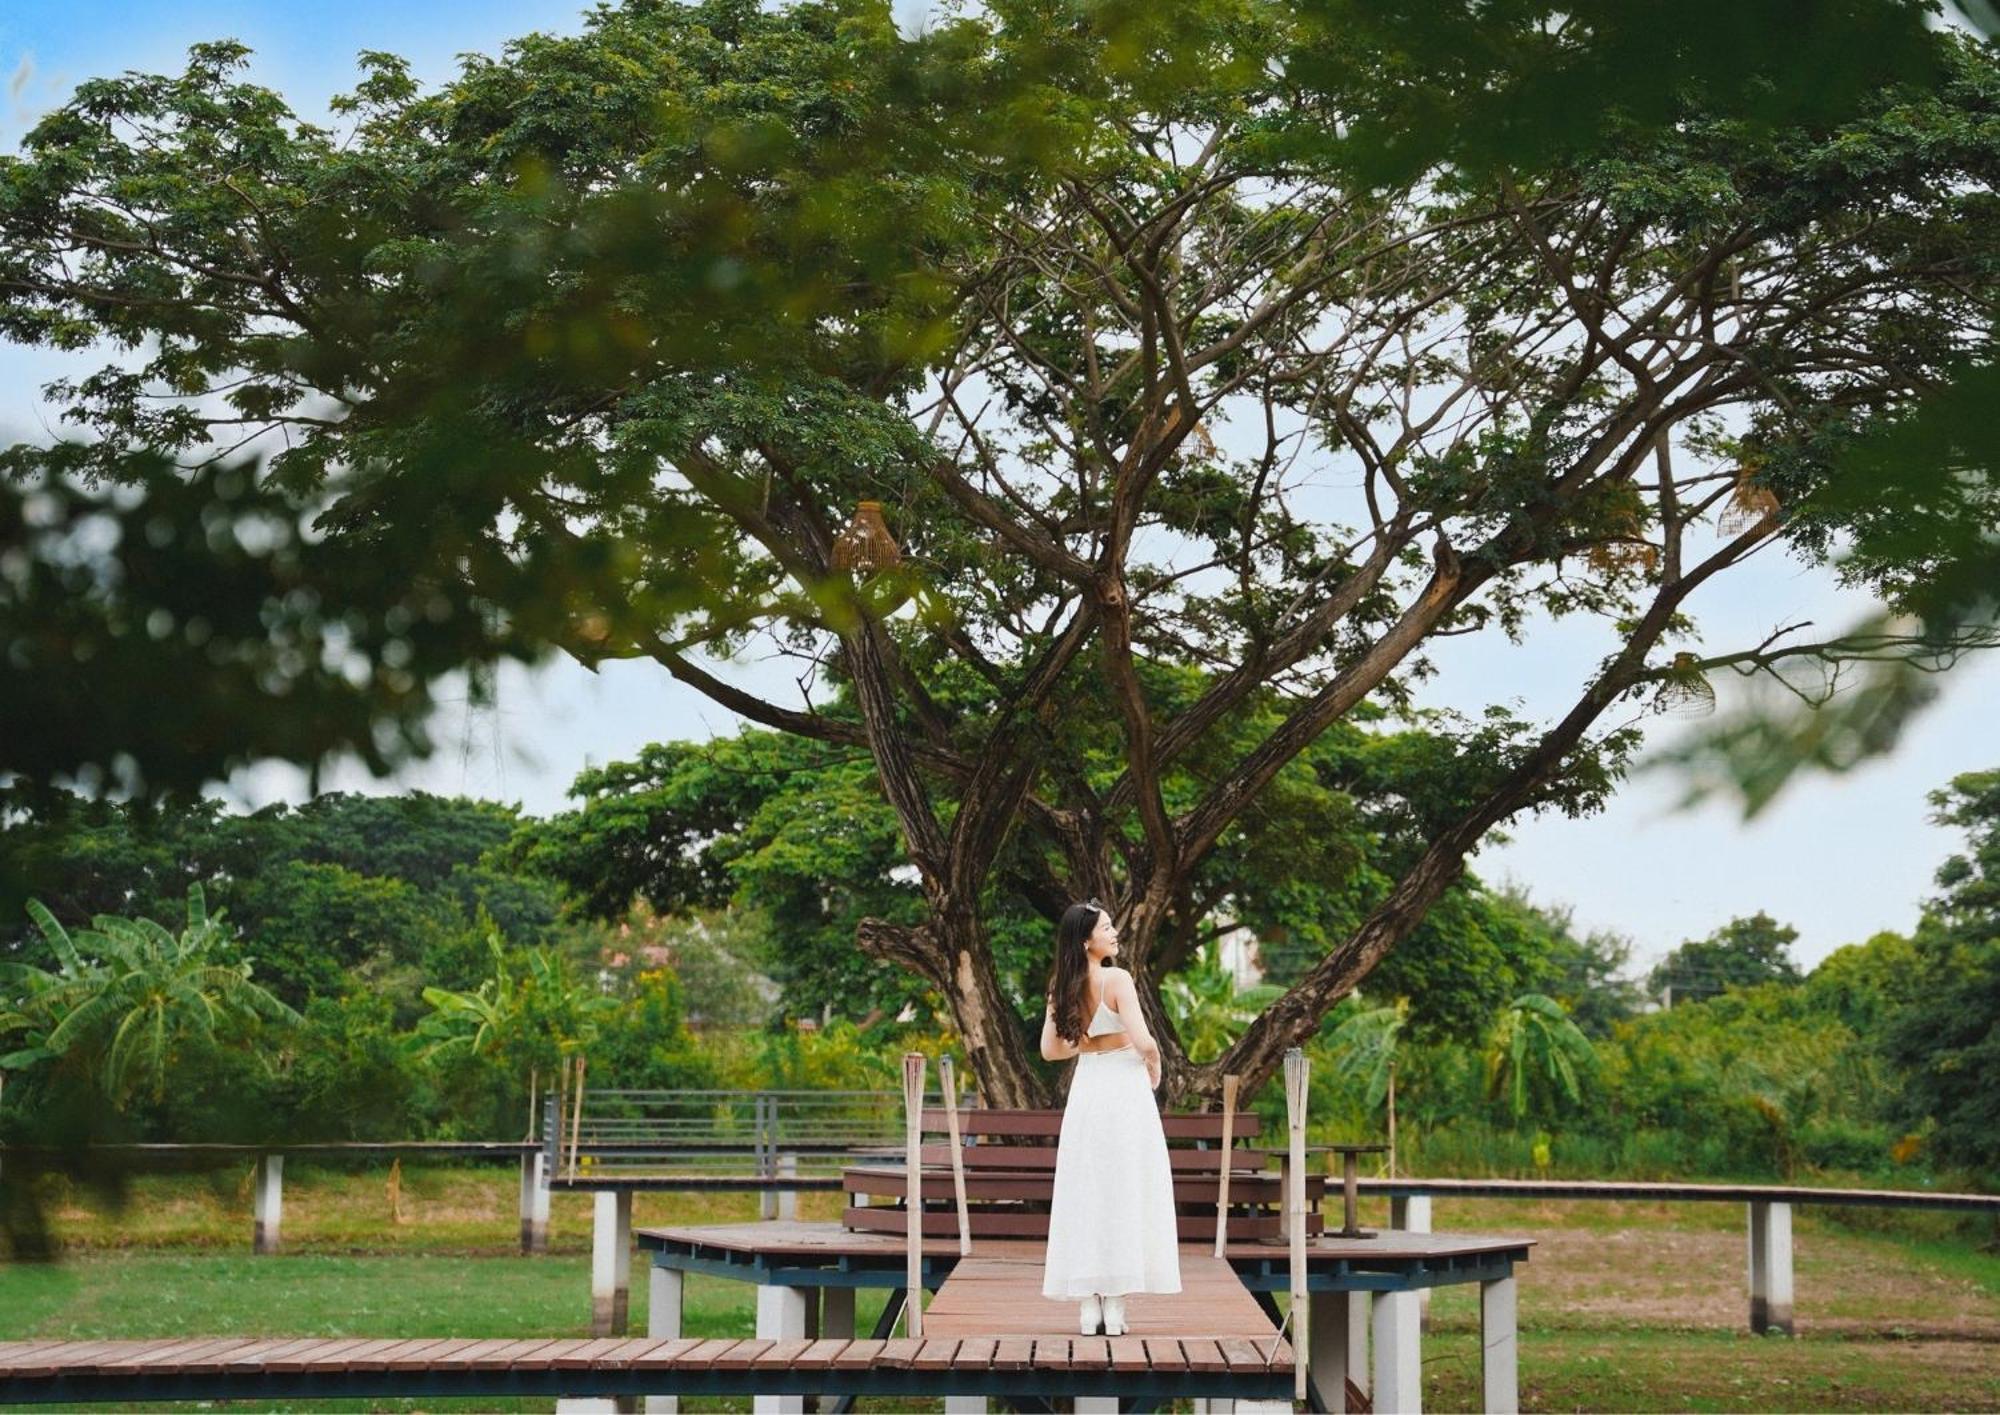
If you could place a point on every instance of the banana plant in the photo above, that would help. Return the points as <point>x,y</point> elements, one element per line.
<point>127,995</point>
<point>1535,1048</point>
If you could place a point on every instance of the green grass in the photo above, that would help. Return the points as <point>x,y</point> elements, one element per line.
<point>1624,1306</point>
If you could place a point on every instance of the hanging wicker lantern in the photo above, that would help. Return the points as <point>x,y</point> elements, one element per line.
<point>1625,549</point>
<point>1685,691</point>
<point>864,543</point>
<point>1750,507</point>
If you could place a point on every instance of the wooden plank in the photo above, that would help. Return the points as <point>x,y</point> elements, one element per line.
<point>1203,1354</point>
<point>1013,1354</point>
<point>298,1356</point>
<point>261,1358</point>
<point>937,1354</point>
<point>218,1355</point>
<point>897,1354</point>
<point>1149,1353</point>
<point>421,1358</point>
<point>472,1357</point>
<point>42,1358</point>
<point>742,1355</point>
<point>975,1353</point>
<point>388,1358</point>
<point>858,1356</point>
<point>781,1355</point>
<point>1051,1353</point>
<point>1243,1354</point>
<point>819,1355</point>
<point>621,1356</point>
<point>580,1354</point>
<point>704,1353</point>
<point>78,1356</point>
<point>664,1355</point>
<point>349,1360</point>
<point>327,1356</point>
<point>132,1354</point>
<point>1090,1353</point>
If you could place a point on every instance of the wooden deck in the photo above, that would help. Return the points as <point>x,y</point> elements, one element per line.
<point>997,1292</point>
<point>236,1368</point>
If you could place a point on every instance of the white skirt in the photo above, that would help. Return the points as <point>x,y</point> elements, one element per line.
<point>1111,1221</point>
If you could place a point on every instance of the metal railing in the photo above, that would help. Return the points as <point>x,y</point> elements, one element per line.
<point>644,1134</point>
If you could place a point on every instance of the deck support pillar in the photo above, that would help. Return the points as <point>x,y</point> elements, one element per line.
<point>968,1405</point>
<point>1091,1405</point>
<point>270,1202</point>
<point>1499,1350</point>
<point>781,1316</point>
<point>534,1202</point>
<point>836,1313</point>
<point>610,1261</point>
<point>788,1199</point>
<point>1336,1345</point>
<point>1412,1214</point>
<point>1771,1268</point>
<point>663,1320</point>
<point>1398,1339</point>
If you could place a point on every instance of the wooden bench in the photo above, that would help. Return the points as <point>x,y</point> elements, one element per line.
<point>1009,1159</point>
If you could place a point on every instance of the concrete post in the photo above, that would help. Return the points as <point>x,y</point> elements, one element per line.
<point>1412,1214</point>
<point>534,1202</point>
<point>1360,1314</point>
<point>788,1199</point>
<point>836,1313</point>
<point>1499,1349</point>
<point>781,1316</point>
<point>269,1203</point>
<point>1331,1362</point>
<point>610,1261</point>
<point>1094,1405</point>
<point>663,1320</point>
<point>976,1405</point>
<point>1771,1268</point>
<point>1398,1339</point>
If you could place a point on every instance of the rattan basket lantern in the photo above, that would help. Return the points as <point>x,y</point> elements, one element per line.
<point>1750,507</point>
<point>864,543</point>
<point>1685,691</point>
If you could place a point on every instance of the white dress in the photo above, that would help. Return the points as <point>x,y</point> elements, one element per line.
<point>1111,1220</point>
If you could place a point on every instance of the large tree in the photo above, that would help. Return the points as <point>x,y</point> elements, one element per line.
<point>609,337</point>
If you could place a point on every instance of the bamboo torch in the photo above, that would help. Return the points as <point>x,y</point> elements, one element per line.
<point>1229,1084</point>
<point>576,1116</point>
<point>913,1181</point>
<point>1296,1070</point>
<point>950,1088</point>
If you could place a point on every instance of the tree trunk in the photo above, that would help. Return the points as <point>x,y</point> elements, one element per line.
<point>951,951</point>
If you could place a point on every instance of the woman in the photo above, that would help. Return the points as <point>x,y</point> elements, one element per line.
<point>1111,1221</point>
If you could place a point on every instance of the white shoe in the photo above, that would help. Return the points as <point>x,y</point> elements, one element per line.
<point>1114,1316</point>
<point>1091,1315</point>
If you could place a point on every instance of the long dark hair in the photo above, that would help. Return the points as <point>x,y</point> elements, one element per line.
<point>1069,977</point>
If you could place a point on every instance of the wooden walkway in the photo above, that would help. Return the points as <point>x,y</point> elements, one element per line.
<point>236,1368</point>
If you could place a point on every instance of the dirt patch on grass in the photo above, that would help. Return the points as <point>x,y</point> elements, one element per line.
<point>1659,1275</point>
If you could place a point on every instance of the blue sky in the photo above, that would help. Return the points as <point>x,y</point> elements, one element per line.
<point>1838,858</point>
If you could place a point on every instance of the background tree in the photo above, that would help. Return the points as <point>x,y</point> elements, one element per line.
<point>1585,972</point>
<point>1947,1038</point>
<point>617,369</point>
<point>1742,953</point>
